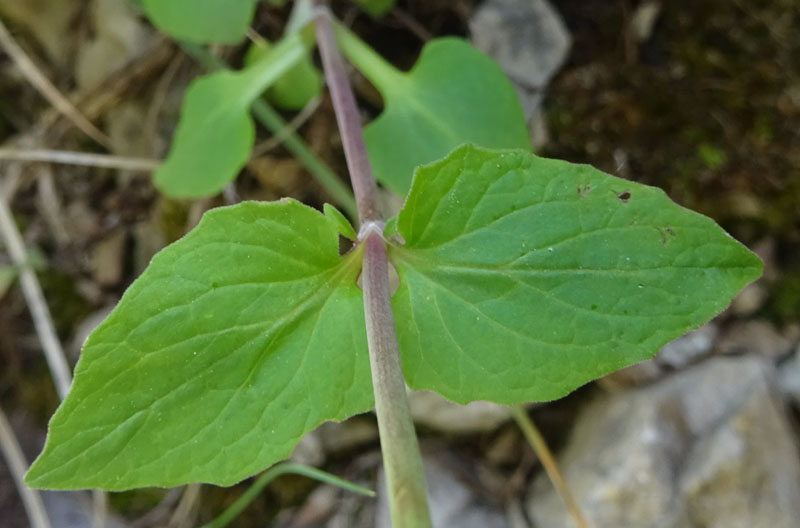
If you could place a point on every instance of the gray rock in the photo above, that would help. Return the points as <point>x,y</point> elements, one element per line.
<point>74,510</point>
<point>689,348</point>
<point>789,377</point>
<point>755,337</point>
<point>436,412</point>
<point>711,446</point>
<point>529,41</point>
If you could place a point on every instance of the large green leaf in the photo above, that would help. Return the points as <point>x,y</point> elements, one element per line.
<point>453,95</point>
<point>235,342</point>
<point>215,134</point>
<point>522,278</point>
<point>202,21</point>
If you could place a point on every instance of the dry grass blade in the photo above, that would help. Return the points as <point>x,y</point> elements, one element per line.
<point>290,128</point>
<point>36,302</point>
<point>47,89</point>
<point>17,464</point>
<point>536,440</point>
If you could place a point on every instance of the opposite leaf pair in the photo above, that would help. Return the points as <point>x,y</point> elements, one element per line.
<point>521,279</point>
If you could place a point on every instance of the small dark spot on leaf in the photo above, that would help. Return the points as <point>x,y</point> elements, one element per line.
<point>215,285</point>
<point>594,307</point>
<point>670,231</point>
<point>662,235</point>
<point>585,189</point>
<point>624,196</point>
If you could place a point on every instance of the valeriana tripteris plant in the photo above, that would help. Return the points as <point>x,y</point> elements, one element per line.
<point>520,279</point>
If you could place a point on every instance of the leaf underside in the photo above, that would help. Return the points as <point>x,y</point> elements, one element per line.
<point>523,278</point>
<point>235,342</point>
<point>202,21</point>
<point>453,95</point>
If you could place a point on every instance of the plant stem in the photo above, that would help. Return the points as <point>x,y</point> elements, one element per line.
<point>405,479</point>
<point>402,460</point>
<point>536,440</point>
<point>349,121</point>
<point>273,121</point>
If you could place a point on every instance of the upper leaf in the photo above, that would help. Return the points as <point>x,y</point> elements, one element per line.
<point>235,342</point>
<point>303,81</point>
<point>523,278</point>
<point>202,21</point>
<point>299,85</point>
<point>376,8</point>
<point>453,95</point>
<point>215,134</point>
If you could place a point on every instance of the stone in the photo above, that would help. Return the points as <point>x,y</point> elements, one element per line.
<point>644,19</point>
<point>309,450</point>
<point>755,337</point>
<point>108,257</point>
<point>436,412</point>
<point>355,433</point>
<point>74,510</point>
<point>689,348</point>
<point>710,446</point>
<point>529,41</point>
<point>789,378</point>
<point>120,35</point>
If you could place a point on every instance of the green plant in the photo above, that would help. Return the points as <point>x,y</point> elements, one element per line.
<point>520,279</point>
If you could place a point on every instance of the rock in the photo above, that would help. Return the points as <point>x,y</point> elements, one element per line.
<point>340,437</point>
<point>74,510</point>
<point>452,502</point>
<point>643,20</point>
<point>108,257</point>
<point>711,446</point>
<point>434,411</point>
<point>789,378</point>
<point>120,35</point>
<point>755,337</point>
<point>529,41</point>
<point>688,348</point>
<point>749,300</point>
<point>309,450</point>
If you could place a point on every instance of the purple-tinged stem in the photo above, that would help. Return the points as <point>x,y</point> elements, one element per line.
<point>405,478</point>
<point>349,120</point>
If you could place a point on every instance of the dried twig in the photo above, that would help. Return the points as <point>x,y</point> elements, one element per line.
<point>17,464</point>
<point>47,88</point>
<point>36,302</point>
<point>186,510</point>
<point>291,127</point>
<point>85,159</point>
